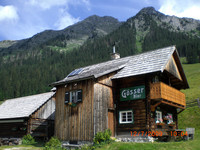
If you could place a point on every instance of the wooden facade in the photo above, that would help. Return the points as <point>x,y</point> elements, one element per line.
<point>102,106</point>
<point>75,123</point>
<point>41,122</point>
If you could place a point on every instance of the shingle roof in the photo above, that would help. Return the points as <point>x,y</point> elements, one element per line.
<point>23,106</point>
<point>148,62</point>
<point>95,71</point>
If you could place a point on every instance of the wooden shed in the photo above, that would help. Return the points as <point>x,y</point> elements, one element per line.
<point>28,115</point>
<point>135,93</point>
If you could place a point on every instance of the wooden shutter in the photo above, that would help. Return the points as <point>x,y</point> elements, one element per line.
<point>79,97</point>
<point>66,97</point>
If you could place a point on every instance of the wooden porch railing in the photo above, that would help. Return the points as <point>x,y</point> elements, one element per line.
<point>163,91</point>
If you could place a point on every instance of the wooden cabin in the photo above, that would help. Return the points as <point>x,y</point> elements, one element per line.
<point>28,115</point>
<point>135,93</point>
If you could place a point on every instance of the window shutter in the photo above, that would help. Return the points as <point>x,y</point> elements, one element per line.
<point>79,98</point>
<point>66,97</point>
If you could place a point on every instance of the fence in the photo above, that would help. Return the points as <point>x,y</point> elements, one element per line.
<point>193,103</point>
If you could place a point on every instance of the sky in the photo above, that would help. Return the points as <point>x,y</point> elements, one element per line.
<point>20,19</point>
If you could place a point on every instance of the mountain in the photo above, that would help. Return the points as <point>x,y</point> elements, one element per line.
<point>71,37</point>
<point>148,17</point>
<point>28,66</point>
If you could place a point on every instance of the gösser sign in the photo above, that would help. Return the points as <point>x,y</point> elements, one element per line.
<point>132,93</point>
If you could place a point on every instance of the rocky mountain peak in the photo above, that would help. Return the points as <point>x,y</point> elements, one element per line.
<point>148,10</point>
<point>97,19</point>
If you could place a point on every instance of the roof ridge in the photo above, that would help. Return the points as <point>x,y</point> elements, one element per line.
<point>27,96</point>
<point>127,56</point>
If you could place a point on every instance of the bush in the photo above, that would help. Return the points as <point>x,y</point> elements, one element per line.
<point>28,139</point>
<point>101,137</point>
<point>53,144</point>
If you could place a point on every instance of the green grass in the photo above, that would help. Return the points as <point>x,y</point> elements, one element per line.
<point>192,72</point>
<point>23,147</point>
<point>190,117</point>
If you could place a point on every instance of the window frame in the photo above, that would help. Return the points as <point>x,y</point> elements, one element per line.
<point>126,122</point>
<point>74,96</point>
<point>158,120</point>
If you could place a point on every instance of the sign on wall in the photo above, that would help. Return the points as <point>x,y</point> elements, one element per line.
<point>132,93</point>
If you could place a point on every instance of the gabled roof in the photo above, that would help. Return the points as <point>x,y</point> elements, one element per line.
<point>148,62</point>
<point>24,106</point>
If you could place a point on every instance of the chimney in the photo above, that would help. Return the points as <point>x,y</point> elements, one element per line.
<point>114,55</point>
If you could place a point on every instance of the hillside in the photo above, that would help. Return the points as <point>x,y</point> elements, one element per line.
<point>190,116</point>
<point>29,65</point>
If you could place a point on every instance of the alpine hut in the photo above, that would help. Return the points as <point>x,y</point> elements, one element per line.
<point>28,115</point>
<point>135,93</point>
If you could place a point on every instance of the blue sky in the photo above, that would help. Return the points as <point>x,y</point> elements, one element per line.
<point>21,19</point>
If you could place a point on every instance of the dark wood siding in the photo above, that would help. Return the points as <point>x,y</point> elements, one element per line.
<point>75,123</point>
<point>13,129</point>
<point>138,106</point>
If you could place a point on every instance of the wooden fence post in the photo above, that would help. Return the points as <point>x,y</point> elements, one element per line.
<point>198,102</point>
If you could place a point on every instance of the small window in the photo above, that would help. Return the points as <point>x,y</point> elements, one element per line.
<point>159,117</point>
<point>126,116</point>
<point>73,96</point>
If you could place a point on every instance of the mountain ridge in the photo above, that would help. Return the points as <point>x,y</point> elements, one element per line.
<point>29,70</point>
<point>99,26</point>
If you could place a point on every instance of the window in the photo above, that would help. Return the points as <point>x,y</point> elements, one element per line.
<point>126,116</point>
<point>159,117</point>
<point>73,96</point>
<point>169,118</point>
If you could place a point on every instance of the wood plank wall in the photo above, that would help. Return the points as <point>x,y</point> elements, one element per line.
<point>47,111</point>
<point>75,123</point>
<point>103,104</point>
<point>41,127</point>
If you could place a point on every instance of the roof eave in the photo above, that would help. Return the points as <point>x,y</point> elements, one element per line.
<point>71,81</point>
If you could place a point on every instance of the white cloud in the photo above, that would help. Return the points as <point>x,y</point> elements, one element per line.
<point>22,19</point>
<point>183,8</point>
<point>65,20</point>
<point>47,4</point>
<point>8,12</point>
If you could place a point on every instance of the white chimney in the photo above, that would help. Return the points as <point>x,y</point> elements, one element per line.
<point>114,55</point>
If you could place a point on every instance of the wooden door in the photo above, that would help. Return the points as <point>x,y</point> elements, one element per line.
<point>111,122</point>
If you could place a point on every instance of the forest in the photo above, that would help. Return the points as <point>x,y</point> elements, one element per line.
<point>30,72</point>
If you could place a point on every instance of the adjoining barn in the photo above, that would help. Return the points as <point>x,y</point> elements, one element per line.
<point>28,115</point>
<point>135,93</point>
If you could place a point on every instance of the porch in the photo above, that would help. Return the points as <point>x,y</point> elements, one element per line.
<point>166,94</point>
